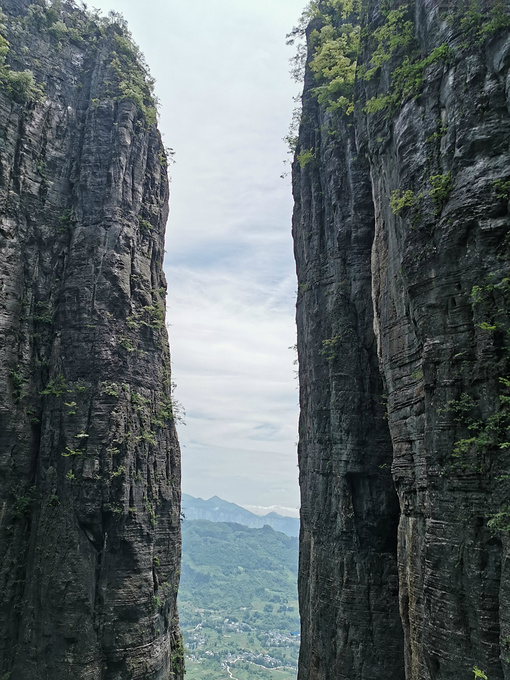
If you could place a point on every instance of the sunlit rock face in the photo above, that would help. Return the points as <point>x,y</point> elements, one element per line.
<point>89,458</point>
<point>401,239</point>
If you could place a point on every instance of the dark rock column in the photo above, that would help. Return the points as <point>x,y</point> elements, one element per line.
<point>89,458</point>
<point>349,513</point>
<point>425,157</point>
<point>440,267</point>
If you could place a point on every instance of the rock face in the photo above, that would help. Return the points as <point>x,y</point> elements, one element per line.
<point>401,230</point>
<point>89,459</point>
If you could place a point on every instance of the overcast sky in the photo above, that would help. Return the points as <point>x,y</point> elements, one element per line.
<point>222,75</point>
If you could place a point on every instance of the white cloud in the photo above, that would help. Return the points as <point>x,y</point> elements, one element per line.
<point>222,76</point>
<point>265,510</point>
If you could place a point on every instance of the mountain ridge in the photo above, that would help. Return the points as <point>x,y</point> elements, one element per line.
<point>216,509</point>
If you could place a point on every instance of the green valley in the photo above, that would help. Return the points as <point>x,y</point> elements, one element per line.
<point>238,602</point>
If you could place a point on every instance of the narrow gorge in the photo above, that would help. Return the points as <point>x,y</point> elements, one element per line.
<point>401,182</point>
<point>89,458</point>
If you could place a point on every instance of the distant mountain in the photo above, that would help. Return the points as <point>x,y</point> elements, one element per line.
<point>217,510</point>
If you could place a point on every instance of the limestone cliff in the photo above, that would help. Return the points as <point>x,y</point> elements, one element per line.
<point>401,223</point>
<point>89,459</point>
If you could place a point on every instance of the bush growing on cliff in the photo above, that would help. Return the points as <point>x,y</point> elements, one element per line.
<point>20,85</point>
<point>396,32</point>
<point>401,201</point>
<point>334,65</point>
<point>334,47</point>
<point>304,157</point>
<point>441,189</point>
<point>133,79</point>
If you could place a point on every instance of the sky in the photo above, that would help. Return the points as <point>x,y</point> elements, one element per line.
<point>222,77</point>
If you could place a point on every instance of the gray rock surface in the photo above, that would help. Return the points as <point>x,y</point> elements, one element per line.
<point>434,271</point>
<point>89,458</point>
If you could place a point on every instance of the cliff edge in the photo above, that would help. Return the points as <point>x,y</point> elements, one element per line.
<point>401,229</point>
<point>89,458</point>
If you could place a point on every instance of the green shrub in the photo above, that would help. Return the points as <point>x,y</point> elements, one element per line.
<point>304,157</point>
<point>442,186</point>
<point>401,201</point>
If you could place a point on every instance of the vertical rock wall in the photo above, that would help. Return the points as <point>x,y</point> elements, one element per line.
<point>435,158</point>
<point>89,458</point>
<point>349,509</point>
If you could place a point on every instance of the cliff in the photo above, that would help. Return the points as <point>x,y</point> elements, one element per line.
<point>402,184</point>
<point>89,459</point>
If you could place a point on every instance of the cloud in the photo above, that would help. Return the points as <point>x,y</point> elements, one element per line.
<point>226,100</point>
<point>265,510</point>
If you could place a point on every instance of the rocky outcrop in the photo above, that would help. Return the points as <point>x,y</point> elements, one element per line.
<point>401,237</point>
<point>89,459</point>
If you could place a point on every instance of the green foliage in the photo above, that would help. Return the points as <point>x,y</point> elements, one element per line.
<point>330,347</point>
<point>491,302</point>
<point>119,472</point>
<point>111,389</point>
<point>304,157</point>
<point>69,452</point>
<point>54,501</point>
<point>479,674</point>
<point>145,225</point>
<point>133,79</point>
<point>442,186</point>
<point>66,220</point>
<point>397,32</point>
<point>153,518</point>
<point>148,437</point>
<point>177,657</point>
<point>125,343</point>
<point>165,413</point>
<point>502,189</point>
<point>23,501</point>
<point>486,434</point>
<point>156,316</point>
<point>139,401</point>
<point>442,129</point>
<point>239,586</point>
<point>20,85</point>
<point>476,22</point>
<point>17,384</point>
<point>57,387</point>
<point>334,64</point>
<point>379,103</point>
<point>406,80</point>
<point>71,405</point>
<point>65,24</point>
<point>334,49</point>
<point>500,522</point>
<point>268,560</point>
<point>402,201</point>
<point>43,313</point>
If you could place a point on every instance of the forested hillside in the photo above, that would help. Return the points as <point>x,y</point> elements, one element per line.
<point>238,601</point>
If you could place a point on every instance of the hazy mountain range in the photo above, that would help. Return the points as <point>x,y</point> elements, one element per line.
<point>215,509</point>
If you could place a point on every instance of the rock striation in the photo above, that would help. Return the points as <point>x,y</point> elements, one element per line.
<point>401,227</point>
<point>89,458</point>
